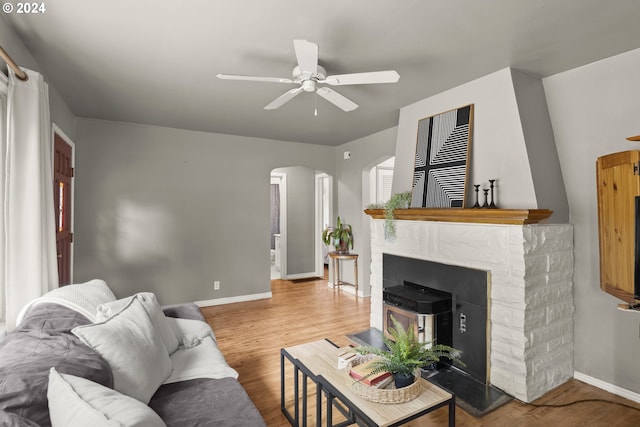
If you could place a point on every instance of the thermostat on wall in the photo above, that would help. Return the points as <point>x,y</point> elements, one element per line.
<point>347,155</point>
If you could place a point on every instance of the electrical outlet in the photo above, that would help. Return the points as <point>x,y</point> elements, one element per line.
<point>216,285</point>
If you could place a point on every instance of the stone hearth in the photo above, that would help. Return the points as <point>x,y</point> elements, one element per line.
<point>531,302</point>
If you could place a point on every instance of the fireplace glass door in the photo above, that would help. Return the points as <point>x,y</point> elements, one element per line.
<point>422,323</point>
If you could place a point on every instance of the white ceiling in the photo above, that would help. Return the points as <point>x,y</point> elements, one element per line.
<point>155,61</point>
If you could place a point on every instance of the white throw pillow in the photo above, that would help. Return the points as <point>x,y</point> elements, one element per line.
<point>189,328</point>
<point>133,348</point>
<point>78,402</point>
<point>81,297</point>
<point>151,304</point>
<point>204,360</point>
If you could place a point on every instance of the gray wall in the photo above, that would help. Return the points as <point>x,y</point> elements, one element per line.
<point>169,210</point>
<point>497,150</point>
<point>593,109</point>
<point>541,147</point>
<point>300,216</point>
<point>503,147</point>
<point>60,112</point>
<point>352,182</point>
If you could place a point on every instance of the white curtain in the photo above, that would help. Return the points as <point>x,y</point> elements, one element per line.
<point>28,260</point>
<point>4,88</point>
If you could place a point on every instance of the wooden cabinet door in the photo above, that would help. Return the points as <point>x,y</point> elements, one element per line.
<point>618,186</point>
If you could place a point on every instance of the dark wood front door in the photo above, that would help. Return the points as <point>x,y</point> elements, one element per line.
<point>63,172</point>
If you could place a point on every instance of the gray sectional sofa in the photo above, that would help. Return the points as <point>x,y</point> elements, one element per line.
<point>53,342</point>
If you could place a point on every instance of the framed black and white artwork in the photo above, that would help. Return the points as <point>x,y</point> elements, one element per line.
<point>442,156</point>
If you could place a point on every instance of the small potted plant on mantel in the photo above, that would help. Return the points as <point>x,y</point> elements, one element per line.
<point>340,237</point>
<point>406,355</point>
<point>396,201</point>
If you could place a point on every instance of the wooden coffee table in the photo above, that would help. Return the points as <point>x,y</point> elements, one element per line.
<point>317,361</point>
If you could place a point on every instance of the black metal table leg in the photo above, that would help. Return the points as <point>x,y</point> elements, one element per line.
<point>283,408</point>
<point>296,394</point>
<point>318,404</point>
<point>452,412</point>
<point>304,400</point>
<point>329,409</point>
<point>281,380</point>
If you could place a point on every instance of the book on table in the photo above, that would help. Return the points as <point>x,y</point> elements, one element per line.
<point>347,354</point>
<point>363,373</point>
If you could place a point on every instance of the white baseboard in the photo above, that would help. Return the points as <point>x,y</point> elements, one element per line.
<point>231,300</point>
<point>300,276</point>
<point>611,388</point>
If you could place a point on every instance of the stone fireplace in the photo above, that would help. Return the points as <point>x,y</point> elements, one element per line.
<point>530,307</point>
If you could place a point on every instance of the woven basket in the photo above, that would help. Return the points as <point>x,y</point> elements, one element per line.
<point>389,395</point>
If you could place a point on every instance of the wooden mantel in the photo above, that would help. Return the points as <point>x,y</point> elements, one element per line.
<point>478,216</point>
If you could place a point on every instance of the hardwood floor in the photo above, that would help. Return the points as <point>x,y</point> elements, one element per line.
<point>251,334</point>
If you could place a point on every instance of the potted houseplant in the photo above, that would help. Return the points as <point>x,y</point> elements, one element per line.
<point>405,355</point>
<point>340,237</point>
<point>396,201</point>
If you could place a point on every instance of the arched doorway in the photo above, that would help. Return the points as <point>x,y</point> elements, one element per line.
<point>300,205</point>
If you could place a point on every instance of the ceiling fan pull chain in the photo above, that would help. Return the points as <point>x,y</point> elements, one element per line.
<point>315,100</point>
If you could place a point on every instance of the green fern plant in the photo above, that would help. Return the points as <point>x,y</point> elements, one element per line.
<point>405,354</point>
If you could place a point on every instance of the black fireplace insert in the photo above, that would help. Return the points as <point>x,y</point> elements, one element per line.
<point>456,296</point>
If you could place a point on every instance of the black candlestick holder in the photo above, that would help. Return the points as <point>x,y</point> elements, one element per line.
<point>492,205</point>
<point>486,194</point>
<point>476,189</point>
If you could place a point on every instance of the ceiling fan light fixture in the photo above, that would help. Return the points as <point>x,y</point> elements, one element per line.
<point>309,85</point>
<point>308,73</point>
<point>300,76</point>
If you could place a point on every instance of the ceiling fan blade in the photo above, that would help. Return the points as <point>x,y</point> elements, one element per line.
<point>335,98</point>
<point>307,55</point>
<point>254,78</point>
<point>284,98</point>
<point>389,76</point>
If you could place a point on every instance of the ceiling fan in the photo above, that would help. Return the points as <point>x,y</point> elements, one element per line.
<point>308,75</point>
